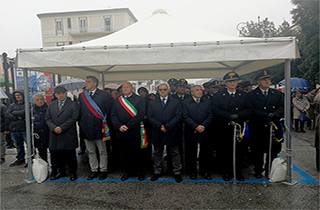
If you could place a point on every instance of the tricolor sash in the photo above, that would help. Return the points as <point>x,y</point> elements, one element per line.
<point>95,109</point>
<point>133,112</point>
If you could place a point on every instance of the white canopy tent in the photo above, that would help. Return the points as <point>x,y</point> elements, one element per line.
<point>162,47</point>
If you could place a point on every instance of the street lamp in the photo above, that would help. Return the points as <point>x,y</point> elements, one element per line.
<point>240,27</point>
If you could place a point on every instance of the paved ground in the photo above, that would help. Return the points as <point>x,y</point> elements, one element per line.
<point>165,193</point>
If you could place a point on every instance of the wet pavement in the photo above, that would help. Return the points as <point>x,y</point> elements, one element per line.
<point>253,193</point>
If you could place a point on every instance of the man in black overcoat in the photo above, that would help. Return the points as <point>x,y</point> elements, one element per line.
<point>164,114</point>
<point>197,115</point>
<point>229,105</point>
<point>267,106</point>
<point>128,131</point>
<point>61,117</point>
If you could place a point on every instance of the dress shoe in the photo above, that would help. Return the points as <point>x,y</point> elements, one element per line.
<point>206,176</point>
<point>178,178</point>
<point>103,175</point>
<point>193,176</point>
<point>226,177</point>
<point>73,177</point>
<point>140,177</point>
<point>258,175</point>
<point>240,177</point>
<point>2,160</point>
<point>92,175</point>
<point>57,175</point>
<point>155,177</point>
<point>125,177</point>
<point>17,163</point>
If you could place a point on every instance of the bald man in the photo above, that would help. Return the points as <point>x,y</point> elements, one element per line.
<point>127,129</point>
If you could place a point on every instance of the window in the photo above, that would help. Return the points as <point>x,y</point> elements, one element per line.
<point>69,23</point>
<point>107,23</point>
<point>60,43</point>
<point>59,26</point>
<point>83,25</point>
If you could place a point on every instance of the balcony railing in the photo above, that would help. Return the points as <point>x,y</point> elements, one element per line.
<point>94,30</point>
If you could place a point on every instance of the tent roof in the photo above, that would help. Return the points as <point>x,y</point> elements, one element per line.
<point>160,47</point>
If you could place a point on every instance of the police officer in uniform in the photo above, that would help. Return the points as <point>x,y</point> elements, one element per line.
<point>229,105</point>
<point>213,88</point>
<point>267,106</point>
<point>172,85</point>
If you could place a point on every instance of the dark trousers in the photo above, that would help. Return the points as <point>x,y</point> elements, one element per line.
<point>296,125</point>
<point>130,149</point>
<point>43,153</point>
<point>59,159</point>
<point>192,156</point>
<point>175,158</point>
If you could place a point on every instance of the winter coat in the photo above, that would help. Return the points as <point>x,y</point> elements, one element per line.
<point>4,126</point>
<point>66,119</point>
<point>15,115</point>
<point>299,104</point>
<point>169,117</point>
<point>40,129</point>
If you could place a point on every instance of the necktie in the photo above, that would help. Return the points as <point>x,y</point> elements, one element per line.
<point>232,95</point>
<point>265,93</point>
<point>90,93</point>
<point>197,100</point>
<point>60,105</point>
<point>163,103</point>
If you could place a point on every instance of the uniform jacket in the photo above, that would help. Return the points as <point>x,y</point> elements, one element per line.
<point>40,126</point>
<point>14,112</point>
<point>120,116</point>
<point>261,106</point>
<point>224,106</point>
<point>66,118</point>
<point>195,114</point>
<point>299,104</point>
<point>169,117</point>
<point>91,126</point>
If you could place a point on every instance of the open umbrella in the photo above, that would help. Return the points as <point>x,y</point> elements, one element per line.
<point>3,94</point>
<point>297,83</point>
<point>112,86</point>
<point>72,84</point>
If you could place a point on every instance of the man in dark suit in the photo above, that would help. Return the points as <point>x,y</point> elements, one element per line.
<point>229,105</point>
<point>197,115</point>
<point>61,117</point>
<point>127,113</point>
<point>91,127</point>
<point>164,114</point>
<point>267,106</point>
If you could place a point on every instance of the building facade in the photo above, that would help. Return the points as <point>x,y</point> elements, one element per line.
<point>67,28</point>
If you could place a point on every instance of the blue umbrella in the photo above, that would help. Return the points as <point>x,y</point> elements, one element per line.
<point>297,83</point>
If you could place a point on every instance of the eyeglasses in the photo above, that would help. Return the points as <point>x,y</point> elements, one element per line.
<point>163,89</point>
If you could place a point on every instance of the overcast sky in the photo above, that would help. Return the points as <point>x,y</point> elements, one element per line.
<point>20,26</point>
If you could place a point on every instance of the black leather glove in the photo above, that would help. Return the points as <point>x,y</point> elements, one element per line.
<point>234,117</point>
<point>268,120</point>
<point>271,115</point>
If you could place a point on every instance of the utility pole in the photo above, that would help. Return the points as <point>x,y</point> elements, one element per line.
<point>5,68</point>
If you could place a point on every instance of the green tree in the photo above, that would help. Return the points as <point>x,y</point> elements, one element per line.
<point>266,29</point>
<point>306,20</point>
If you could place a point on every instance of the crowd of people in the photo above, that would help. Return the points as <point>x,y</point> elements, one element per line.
<point>220,126</point>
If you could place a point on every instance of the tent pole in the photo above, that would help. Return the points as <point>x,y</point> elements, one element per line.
<point>102,81</point>
<point>287,115</point>
<point>28,123</point>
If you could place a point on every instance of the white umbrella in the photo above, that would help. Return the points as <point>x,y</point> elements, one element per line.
<point>72,84</point>
<point>3,94</point>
